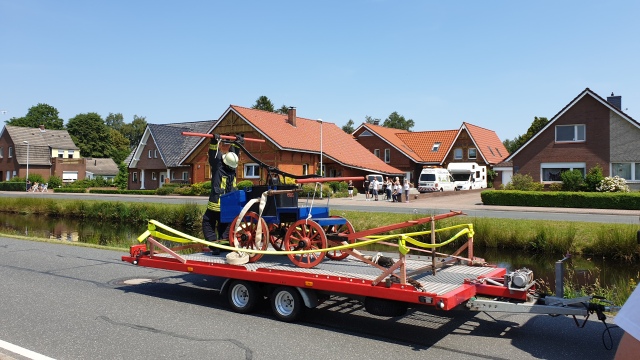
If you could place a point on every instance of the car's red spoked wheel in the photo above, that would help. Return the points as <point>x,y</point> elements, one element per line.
<point>277,233</point>
<point>243,234</point>
<point>342,229</point>
<point>305,235</point>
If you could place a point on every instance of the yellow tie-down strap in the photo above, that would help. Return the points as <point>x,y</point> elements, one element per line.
<point>402,239</point>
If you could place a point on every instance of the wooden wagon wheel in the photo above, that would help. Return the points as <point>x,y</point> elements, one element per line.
<point>342,229</point>
<point>305,235</point>
<point>243,234</point>
<point>277,233</point>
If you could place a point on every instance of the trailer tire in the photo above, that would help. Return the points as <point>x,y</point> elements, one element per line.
<point>243,296</point>
<point>383,307</point>
<point>287,304</point>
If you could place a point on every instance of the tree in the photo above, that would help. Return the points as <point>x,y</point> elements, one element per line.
<point>41,114</point>
<point>134,131</point>
<point>263,103</point>
<point>118,146</point>
<point>90,134</point>
<point>537,125</point>
<point>122,178</point>
<point>284,109</point>
<point>114,121</point>
<point>396,121</point>
<point>348,128</point>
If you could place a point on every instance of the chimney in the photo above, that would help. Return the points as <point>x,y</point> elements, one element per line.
<point>376,122</point>
<point>41,128</point>
<point>291,116</point>
<point>616,101</point>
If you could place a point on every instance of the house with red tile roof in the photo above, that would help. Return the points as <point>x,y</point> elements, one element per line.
<point>588,131</point>
<point>292,144</point>
<point>411,151</point>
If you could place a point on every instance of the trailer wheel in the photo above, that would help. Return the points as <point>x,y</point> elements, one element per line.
<point>343,229</point>
<point>305,235</point>
<point>383,307</point>
<point>243,296</point>
<point>243,234</point>
<point>287,304</point>
<point>277,233</point>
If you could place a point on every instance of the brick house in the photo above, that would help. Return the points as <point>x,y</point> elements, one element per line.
<point>588,131</point>
<point>47,153</point>
<point>292,144</point>
<point>156,159</point>
<point>411,151</point>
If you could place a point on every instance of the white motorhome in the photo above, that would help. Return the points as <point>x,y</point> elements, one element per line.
<point>435,179</point>
<point>468,176</point>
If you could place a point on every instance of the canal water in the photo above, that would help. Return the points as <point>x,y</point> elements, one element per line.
<point>584,270</point>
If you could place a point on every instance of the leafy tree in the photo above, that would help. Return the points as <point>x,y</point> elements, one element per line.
<point>114,121</point>
<point>134,131</point>
<point>263,103</point>
<point>397,121</point>
<point>284,109</point>
<point>537,125</point>
<point>369,120</point>
<point>118,146</point>
<point>41,114</point>
<point>348,128</point>
<point>121,180</point>
<point>90,134</point>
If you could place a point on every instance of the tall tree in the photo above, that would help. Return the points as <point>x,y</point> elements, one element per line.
<point>263,103</point>
<point>41,114</point>
<point>348,128</point>
<point>118,146</point>
<point>284,109</point>
<point>114,121</point>
<point>397,121</point>
<point>517,142</point>
<point>90,134</point>
<point>134,131</point>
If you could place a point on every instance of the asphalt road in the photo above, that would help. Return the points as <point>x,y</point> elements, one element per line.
<point>467,201</point>
<point>70,302</point>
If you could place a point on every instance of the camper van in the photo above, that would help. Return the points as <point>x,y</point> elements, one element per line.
<point>369,180</point>
<point>467,176</point>
<point>435,179</point>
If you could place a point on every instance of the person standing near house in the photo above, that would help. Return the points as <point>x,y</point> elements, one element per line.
<point>367,186</point>
<point>223,180</point>
<point>406,190</point>
<point>374,188</point>
<point>350,189</point>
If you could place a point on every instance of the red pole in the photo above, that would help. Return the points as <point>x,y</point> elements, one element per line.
<point>313,180</point>
<point>225,137</point>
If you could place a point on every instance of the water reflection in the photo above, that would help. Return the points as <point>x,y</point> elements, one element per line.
<point>583,270</point>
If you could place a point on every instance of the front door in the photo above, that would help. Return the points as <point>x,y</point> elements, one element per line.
<point>161,180</point>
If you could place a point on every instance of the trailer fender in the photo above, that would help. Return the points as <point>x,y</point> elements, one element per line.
<point>310,297</point>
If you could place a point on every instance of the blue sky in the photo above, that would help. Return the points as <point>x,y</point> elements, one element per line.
<point>495,64</point>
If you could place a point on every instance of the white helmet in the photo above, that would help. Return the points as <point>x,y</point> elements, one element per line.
<point>230,159</point>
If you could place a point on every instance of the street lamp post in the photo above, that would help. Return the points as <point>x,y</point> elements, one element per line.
<point>27,178</point>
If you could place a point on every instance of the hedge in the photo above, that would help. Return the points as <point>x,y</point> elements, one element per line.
<point>13,186</point>
<point>69,190</point>
<point>564,199</point>
<point>118,191</point>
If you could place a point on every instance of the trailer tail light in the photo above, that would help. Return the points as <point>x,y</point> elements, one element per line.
<point>137,250</point>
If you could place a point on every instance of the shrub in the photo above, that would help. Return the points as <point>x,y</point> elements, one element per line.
<point>523,182</point>
<point>242,184</point>
<point>36,178</point>
<point>572,180</point>
<point>593,178</point>
<point>55,182</point>
<point>613,184</point>
<point>555,187</point>
<point>167,189</point>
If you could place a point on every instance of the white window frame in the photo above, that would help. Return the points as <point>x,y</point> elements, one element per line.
<point>387,155</point>
<point>305,169</point>
<point>153,176</point>
<point>634,171</point>
<point>155,154</point>
<point>436,146</point>
<point>149,156</point>
<point>576,133</point>
<point>376,152</point>
<point>185,175</point>
<point>10,152</point>
<point>134,177</point>
<point>1,152</point>
<point>250,170</point>
<point>457,156</point>
<point>475,153</point>
<point>560,165</point>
